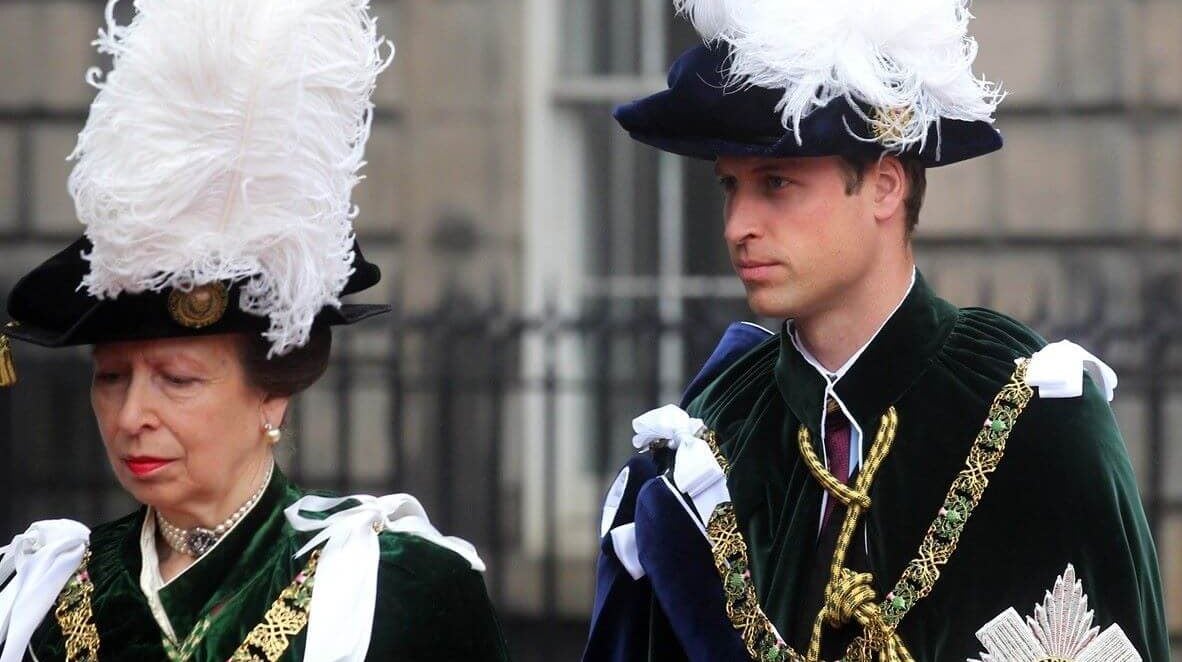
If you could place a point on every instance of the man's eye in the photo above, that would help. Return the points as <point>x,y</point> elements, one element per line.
<point>727,184</point>
<point>774,182</point>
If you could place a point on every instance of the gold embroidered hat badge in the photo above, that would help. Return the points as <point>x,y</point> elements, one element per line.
<point>199,307</point>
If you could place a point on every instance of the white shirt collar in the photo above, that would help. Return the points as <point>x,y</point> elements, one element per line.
<point>152,582</point>
<point>834,377</point>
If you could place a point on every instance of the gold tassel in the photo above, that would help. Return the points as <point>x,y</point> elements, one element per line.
<point>7,369</point>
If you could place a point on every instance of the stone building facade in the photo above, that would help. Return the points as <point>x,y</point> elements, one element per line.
<point>496,178</point>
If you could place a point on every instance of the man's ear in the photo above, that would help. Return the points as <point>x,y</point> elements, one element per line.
<point>890,187</point>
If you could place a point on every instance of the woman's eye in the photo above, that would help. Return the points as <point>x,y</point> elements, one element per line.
<point>178,380</point>
<point>107,377</point>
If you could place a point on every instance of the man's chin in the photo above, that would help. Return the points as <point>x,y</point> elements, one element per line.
<point>765,303</point>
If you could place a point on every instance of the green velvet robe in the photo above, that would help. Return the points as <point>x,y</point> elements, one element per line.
<point>431,605</point>
<point>1064,492</point>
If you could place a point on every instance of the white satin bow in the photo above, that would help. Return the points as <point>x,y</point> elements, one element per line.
<point>39,561</point>
<point>1057,370</point>
<point>669,423</point>
<point>695,472</point>
<point>345,592</point>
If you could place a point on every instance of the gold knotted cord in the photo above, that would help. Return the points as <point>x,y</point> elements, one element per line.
<point>849,595</point>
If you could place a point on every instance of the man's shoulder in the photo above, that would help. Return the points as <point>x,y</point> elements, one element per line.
<point>743,360</point>
<point>994,334</point>
<point>1070,424</point>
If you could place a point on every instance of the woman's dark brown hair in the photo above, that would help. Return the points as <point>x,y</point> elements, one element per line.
<point>287,375</point>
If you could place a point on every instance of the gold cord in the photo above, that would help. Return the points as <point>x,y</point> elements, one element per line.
<point>849,595</point>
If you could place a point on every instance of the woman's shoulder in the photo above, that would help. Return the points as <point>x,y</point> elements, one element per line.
<point>410,554</point>
<point>112,533</point>
<point>409,545</point>
<point>429,584</point>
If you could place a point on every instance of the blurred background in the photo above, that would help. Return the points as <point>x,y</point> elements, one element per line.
<point>552,279</point>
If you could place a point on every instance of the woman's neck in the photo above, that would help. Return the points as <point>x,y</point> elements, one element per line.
<point>216,510</point>
<point>170,562</point>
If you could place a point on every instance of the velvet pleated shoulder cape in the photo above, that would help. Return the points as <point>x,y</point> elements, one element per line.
<point>431,605</point>
<point>1064,493</point>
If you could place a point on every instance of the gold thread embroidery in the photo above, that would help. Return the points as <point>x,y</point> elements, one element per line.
<point>851,594</point>
<point>75,617</point>
<point>200,307</point>
<point>267,642</point>
<point>189,645</point>
<point>890,126</point>
<point>286,618</point>
<point>759,636</point>
<point>943,534</point>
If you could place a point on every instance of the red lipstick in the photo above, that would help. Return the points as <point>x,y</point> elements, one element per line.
<point>142,465</point>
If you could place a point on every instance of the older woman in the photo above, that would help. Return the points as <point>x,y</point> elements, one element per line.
<point>213,177</point>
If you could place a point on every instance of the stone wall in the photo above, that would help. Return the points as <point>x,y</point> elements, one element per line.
<point>1093,127</point>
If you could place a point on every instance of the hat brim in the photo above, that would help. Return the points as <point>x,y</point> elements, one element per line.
<point>48,307</point>
<point>701,116</point>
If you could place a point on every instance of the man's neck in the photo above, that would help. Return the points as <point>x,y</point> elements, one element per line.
<point>836,334</point>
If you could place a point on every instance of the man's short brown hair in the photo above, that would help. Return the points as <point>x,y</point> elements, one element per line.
<point>855,166</point>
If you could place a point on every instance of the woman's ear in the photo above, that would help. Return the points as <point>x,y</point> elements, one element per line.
<point>274,409</point>
<point>890,188</point>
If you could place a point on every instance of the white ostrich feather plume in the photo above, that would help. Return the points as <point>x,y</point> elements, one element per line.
<point>224,145</point>
<point>911,58</point>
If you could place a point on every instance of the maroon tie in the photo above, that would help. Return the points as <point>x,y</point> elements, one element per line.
<point>837,449</point>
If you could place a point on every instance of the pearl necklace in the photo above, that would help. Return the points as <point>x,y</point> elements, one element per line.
<point>197,542</point>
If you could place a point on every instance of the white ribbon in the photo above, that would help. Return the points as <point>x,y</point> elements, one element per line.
<point>39,562</point>
<point>669,423</point>
<point>624,542</point>
<point>1057,370</point>
<point>696,471</point>
<point>698,474</point>
<point>611,504</point>
<point>343,597</point>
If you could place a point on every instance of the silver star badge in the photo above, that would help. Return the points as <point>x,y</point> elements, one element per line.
<point>1060,630</point>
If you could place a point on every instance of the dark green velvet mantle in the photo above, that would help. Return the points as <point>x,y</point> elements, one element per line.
<point>430,604</point>
<point>1064,493</point>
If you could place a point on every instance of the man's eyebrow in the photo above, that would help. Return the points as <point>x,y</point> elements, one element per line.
<point>768,167</point>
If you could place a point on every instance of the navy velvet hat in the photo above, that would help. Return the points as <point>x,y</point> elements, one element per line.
<point>700,115</point>
<point>48,308</point>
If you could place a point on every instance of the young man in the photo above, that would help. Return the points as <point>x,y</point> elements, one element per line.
<point>890,477</point>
